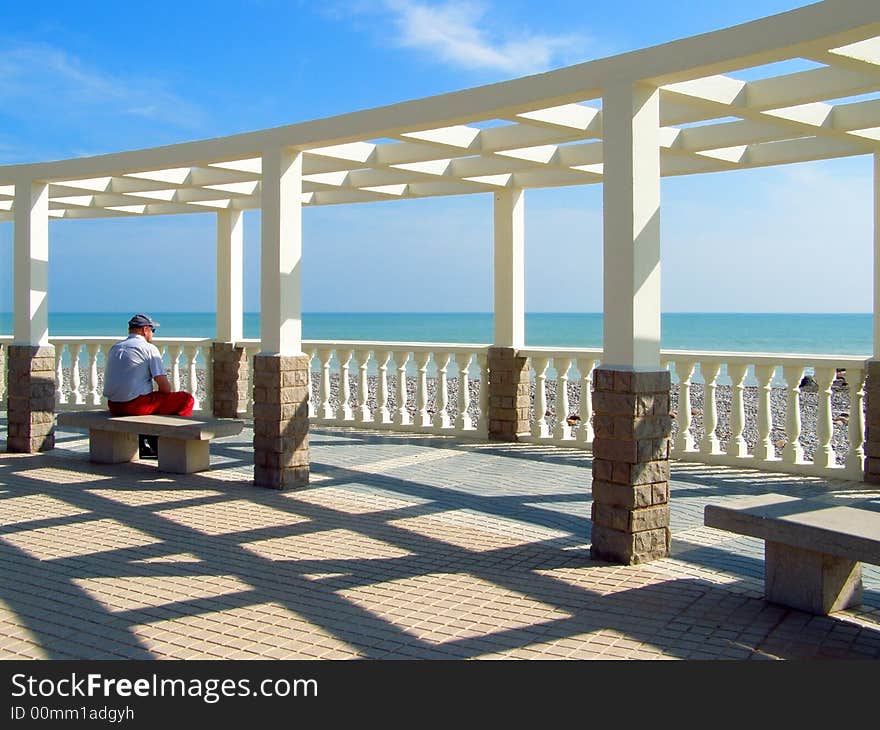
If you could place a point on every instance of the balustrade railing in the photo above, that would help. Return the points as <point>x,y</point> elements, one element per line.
<point>801,414</point>
<point>401,386</point>
<point>79,369</point>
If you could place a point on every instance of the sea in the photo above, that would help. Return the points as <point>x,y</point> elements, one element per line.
<point>815,334</point>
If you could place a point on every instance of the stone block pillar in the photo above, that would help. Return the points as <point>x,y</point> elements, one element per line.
<point>872,421</point>
<point>31,398</point>
<point>230,373</point>
<point>281,421</point>
<point>631,466</point>
<point>508,387</point>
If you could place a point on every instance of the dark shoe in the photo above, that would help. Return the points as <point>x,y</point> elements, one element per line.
<point>148,447</point>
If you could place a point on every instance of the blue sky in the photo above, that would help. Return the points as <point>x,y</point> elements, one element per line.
<point>96,77</point>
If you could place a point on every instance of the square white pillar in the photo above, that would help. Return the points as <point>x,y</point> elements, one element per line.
<point>31,264</point>
<point>230,298</point>
<point>509,268</point>
<point>631,123</point>
<point>281,253</point>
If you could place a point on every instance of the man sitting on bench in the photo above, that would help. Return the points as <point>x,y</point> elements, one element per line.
<point>130,368</point>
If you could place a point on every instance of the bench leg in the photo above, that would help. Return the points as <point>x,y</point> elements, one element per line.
<point>182,456</point>
<point>112,447</point>
<point>810,581</point>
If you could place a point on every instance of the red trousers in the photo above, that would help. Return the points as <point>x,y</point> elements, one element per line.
<point>178,403</point>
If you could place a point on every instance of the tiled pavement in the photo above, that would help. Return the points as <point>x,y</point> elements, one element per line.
<point>402,547</point>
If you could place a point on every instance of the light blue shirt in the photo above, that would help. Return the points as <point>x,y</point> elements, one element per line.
<point>130,367</point>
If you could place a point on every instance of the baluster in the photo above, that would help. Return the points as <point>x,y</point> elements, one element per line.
<point>737,445</point>
<point>343,412</point>
<point>585,408</point>
<point>363,413</point>
<point>191,355</point>
<point>482,359</point>
<point>326,410</point>
<point>383,414</point>
<point>824,456</point>
<point>540,429</point>
<point>175,367</point>
<point>463,418</point>
<point>208,403</point>
<point>401,412</point>
<point>562,430</point>
<point>684,439</point>
<point>76,386</point>
<point>793,453</point>
<point>94,393</point>
<point>60,393</point>
<point>709,445</point>
<point>441,415</point>
<point>314,385</point>
<point>764,449</point>
<point>424,418</point>
<point>855,458</point>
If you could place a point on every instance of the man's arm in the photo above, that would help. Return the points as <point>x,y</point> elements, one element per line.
<point>162,383</point>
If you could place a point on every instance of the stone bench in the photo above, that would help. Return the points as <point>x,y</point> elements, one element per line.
<point>183,442</point>
<point>812,550</point>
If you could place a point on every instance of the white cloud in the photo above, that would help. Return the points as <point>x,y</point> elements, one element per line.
<point>461,33</point>
<point>41,79</point>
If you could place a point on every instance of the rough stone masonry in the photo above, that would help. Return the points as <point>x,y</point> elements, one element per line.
<point>631,446</point>
<point>509,396</point>
<point>230,380</point>
<point>30,407</point>
<point>281,421</point>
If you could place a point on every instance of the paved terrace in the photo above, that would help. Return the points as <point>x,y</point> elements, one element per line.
<point>402,547</point>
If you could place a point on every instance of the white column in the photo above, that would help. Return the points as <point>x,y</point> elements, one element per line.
<point>31,264</point>
<point>281,253</point>
<point>230,298</point>
<point>510,268</point>
<point>876,256</point>
<point>631,196</point>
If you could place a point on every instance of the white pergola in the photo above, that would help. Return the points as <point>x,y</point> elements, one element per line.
<point>623,121</point>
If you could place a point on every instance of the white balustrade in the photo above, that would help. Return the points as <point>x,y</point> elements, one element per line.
<point>79,367</point>
<point>373,361</point>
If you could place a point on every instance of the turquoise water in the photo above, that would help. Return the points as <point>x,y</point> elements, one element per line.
<point>833,334</point>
